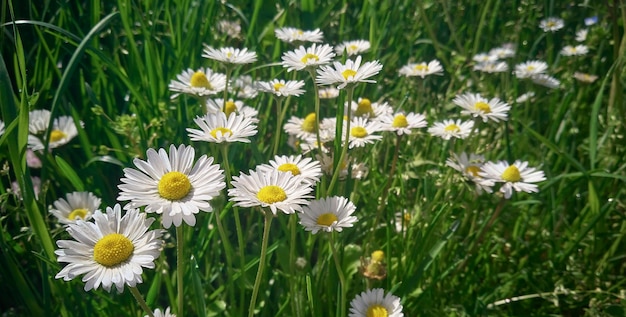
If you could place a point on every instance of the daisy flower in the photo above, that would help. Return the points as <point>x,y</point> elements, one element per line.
<point>229,28</point>
<point>491,67</point>
<point>368,109</point>
<point>38,121</point>
<point>217,128</point>
<point>577,50</point>
<point>327,214</point>
<point>421,69</point>
<point>310,57</point>
<point>328,93</point>
<point>229,55</point>
<point>243,86</point>
<point>470,167</point>
<point>172,185</point>
<point>214,106</point>
<point>451,129</point>
<point>200,83</point>
<point>349,74</point>
<point>112,250</point>
<point>375,302</point>
<point>75,206</point>
<point>551,24</point>
<point>525,97</point>
<point>165,313</point>
<point>304,167</point>
<point>274,189</point>
<point>484,58</point>
<point>581,35</point>
<point>302,127</point>
<point>281,88</point>
<point>585,78</point>
<point>506,51</point>
<point>517,176</point>
<point>477,106</point>
<point>546,81</point>
<point>530,69</point>
<point>403,123</point>
<point>63,131</point>
<point>362,131</point>
<point>355,47</point>
<point>291,34</point>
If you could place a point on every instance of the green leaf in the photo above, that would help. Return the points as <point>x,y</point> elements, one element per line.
<point>70,174</point>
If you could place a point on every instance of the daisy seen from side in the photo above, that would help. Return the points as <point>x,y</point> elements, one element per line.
<point>422,69</point>
<point>229,55</point>
<point>363,131</point>
<point>75,206</point>
<point>546,81</point>
<point>172,185</point>
<point>214,106</point>
<point>478,106</point>
<point>578,50</point>
<point>328,214</point>
<point>350,73</point>
<point>112,250</point>
<point>551,24</point>
<point>162,313</point>
<point>311,57</point>
<point>530,68</point>
<point>294,35</point>
<point>403,123</point>
<point>375,302</point>
<point>306,168</point>
<point>199,83</point>
<point>281,88</point>
<point>354,47</point>
<point>63,131</point>
<point>470,166</point>
<point>449,129</point>
<point>217,128</point>
<point>515,177</point>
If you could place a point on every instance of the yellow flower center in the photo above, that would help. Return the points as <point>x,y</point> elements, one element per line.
<point>278,86</point>
<point>452,128</point>
<point>229,55</point>
<point>309,124</point>
<point>364,108</point>
<point>377,311</point>
<point>112,249</point>
<point>378,256</point>
<point>57,135</point>
<point>326,219</point>
<point>289,167</point>
<point>352,48</point>
<point>358,132</point>
<point>407,218</point>
<point>399,121</point>
<point>530,68</point>
<point>224,131</point>
<point>421,67</point>
<point>199,80</point>
<point>511,174</point>
<point>472,169</point>
<point>271,194</point>
<point>78,213</point>
<point>348,73</point>
<point>174,186</point>
<point>550,24</point>
<point>309,56</point>
<point>482,106</point>
<point>229,108</point>
<point>299,32</point>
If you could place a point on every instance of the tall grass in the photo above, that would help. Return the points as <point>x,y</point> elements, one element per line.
<point>108,63</point>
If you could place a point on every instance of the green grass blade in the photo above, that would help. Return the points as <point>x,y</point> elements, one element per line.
<point>69,173</point>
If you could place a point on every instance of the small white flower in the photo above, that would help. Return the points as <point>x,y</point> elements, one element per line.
<point>470,167</point>
<point>505,51</point>
<point>328,93</point>
<point>291,35</point>
<point>591,20</point>
<point>403,123</point>
<point>365,108</point>
<point>200,83</point>
<point>491,67</point>
<point>530,69</point>
<point>477,106</point>
<point>355,47</point>
<point>585,78</point>
<point>213,106</point>
<point>160,313</point>
<point>581,35</point>
<point>75,206</point>
<point>38,121</point>
<point>63,131</point>
<point>525,97</point>
<point>546,81</point>
<point>217,128</point>
<point>422,69</point>
<point>229,28</point>
<point>327,214</point>
<point>348,74</point>
<point>517,176</point>
<point>304,167</point>
<point>362,131</point>
<point>484,58</point>
<point>229,55</point>
<point>375,302</point>
<point>451,129</point>
<point>577,50</point>
<point>310,57</point>
<point>244,87</point>
<point>282,88</point>
<point>551,24</point>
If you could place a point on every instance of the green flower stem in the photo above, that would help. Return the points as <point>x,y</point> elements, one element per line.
<point>317,107</point>
<point>292,263</point>
<point>279,123</point>
<point>259,273</point>
<point>342,278</point>
<point>180,271</point>
<point>344,150</point>
<point>229,70</point>
<point>139,298</point>
<point>220,227</point>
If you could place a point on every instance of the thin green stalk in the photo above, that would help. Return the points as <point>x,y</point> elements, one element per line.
<point>295,311</point>
<point>344,150</point>
<point>342,278</point>
<point>317,107</point>
<point>139,298</point>
<point>259,273</point>
<point>180,268</point>
<point>229,71</point>
<point>279,123</point>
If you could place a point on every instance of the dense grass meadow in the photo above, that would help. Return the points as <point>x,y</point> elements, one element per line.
<point>517,207</point>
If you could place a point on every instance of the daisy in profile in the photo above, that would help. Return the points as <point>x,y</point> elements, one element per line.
<point>229,55</point>
<point>302,127</point>
<point>517,176</point>
<point>546,81</point>
<point>505,51</point>
<point>327,162</point>
<point>530,69</point>
<point>403,123</point>
<point>350,73</point>
<point>38,121</point>
<point>304,167</point>
<point>585,78</point>
<point>422,69</point>
<point>310,57</point>
<point>365,108</point>
<point>160,313</point>
<point>291,35</point>
<point>273,189</point>
<point>477,106</point>
<point>470,167</point>
<point>172,185</point>
<point>351,48</point>
<point>577,50</point>
<point>375,302</point>
<point>363,131</point>
<point>112,250</point>
<point>551,24</point>
<point>484,58</point>
<point>200,83</point>
<point>75,206</point>
<point>327,214</point>
<point>63,131</point>
<point>214,106</point>
<point>451,129</point>
<point>491,67</point>
<point>217,128</point>
<point>328,93</point>
<point>525,97</point>
<point>244,87</point>
<point>581,35</point>
<point>281,88</point>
